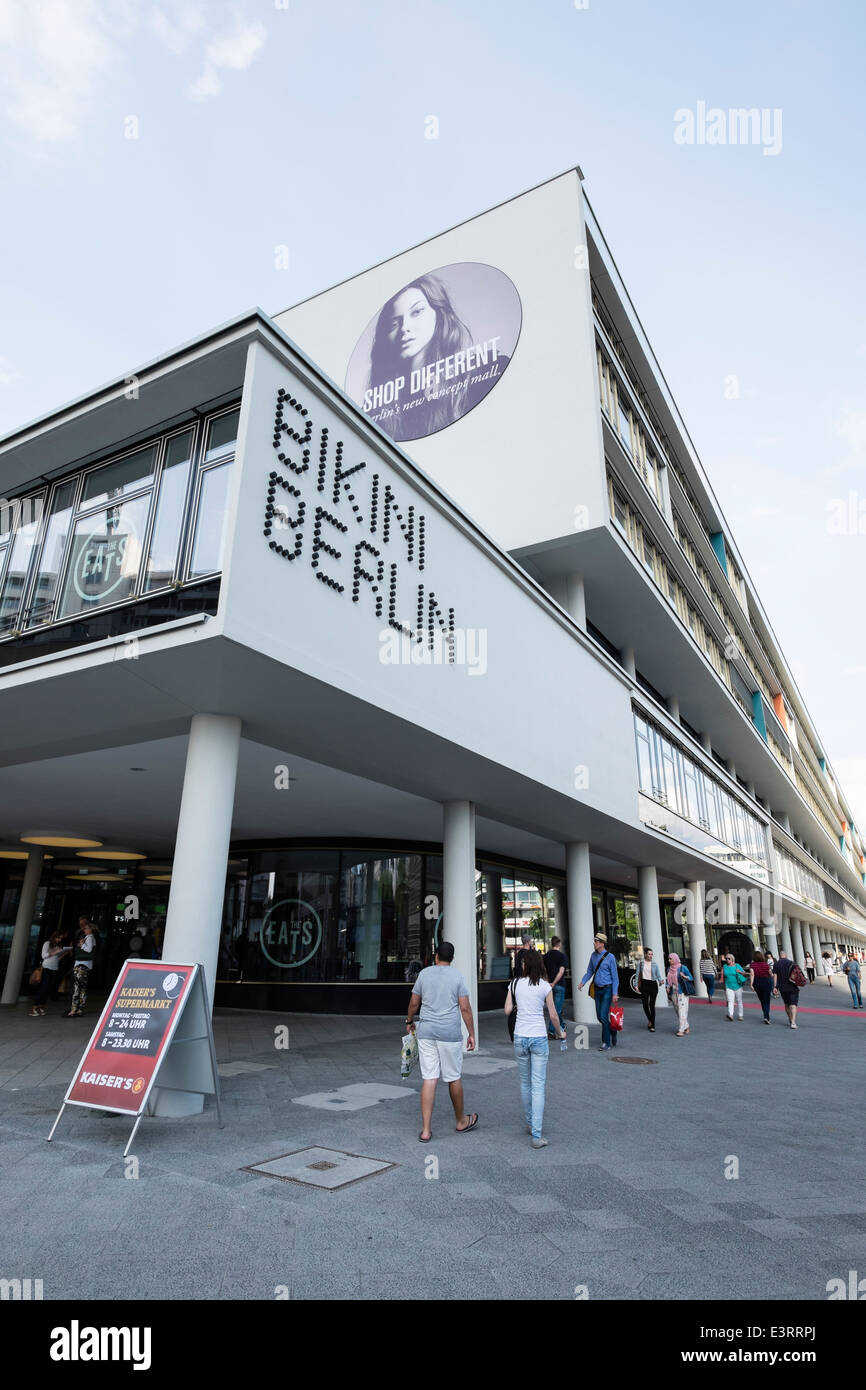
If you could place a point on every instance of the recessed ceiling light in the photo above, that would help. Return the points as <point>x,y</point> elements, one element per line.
<point>109,853</point>
<point>138,769</point>
<point>59,838</point>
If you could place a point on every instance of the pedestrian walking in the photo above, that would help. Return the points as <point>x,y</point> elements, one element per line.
<point>708,973</point>
<point>733,977</point>
<point>531,1049</point>
<point>604,987</point>
<point>649,977</point>
<point>852,970</point>
<point>679,977</point>
<point>53,951</point>
<point>82,958</point>
<point>828,967</point>
<point>761,981</point>
<point>555,966</point>
<point>810,966</point>
<point>441,995</point>
<point>787,976</point>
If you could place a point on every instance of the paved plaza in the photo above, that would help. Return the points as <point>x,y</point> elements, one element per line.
<point>629,1201</point>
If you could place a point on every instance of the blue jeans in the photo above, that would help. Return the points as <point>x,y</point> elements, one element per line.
<point>603,1000</point>
<point>854,986</point>
<point>531,1056</point>
<point>558,1002</point>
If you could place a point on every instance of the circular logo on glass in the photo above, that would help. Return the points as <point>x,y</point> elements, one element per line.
<point>101,564</point>
<point>436,348</point>
<point>291,933</point>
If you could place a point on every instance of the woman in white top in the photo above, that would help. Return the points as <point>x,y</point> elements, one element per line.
<point>531,993</point>
<point>53,952</point>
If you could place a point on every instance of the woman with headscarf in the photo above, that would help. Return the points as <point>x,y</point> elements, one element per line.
<point>678,977</point>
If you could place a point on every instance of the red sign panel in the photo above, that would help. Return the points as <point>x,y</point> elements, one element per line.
<point>130,1038</point>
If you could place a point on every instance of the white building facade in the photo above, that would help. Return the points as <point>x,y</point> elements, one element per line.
<point>409,613</point>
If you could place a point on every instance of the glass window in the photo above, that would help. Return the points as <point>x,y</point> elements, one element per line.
<point>20,554</point>
<point>105,557</point>
<point>53,551</point>
<point>119,479</point>
<point>222,436</point>
<point>162,560</point>
<point>624,427</point>
<point>644,757</point>
<point>207,554</point>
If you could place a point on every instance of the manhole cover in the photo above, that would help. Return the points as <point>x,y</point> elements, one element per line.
<point>320,1167</point>
<point>636,1061</point>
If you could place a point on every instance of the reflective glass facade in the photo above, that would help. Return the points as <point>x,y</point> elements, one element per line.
<point>151,519</point>
<point>668,775</point>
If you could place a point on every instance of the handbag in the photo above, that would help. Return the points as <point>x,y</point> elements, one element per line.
<point>796,977</point>
<point>511,1018</point>
<point>36,976</point>
<point>687,981</point>
<point>591,990</point>
<point>616,1018</point>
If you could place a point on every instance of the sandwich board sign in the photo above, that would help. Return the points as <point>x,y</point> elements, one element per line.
<point>156,1024</point>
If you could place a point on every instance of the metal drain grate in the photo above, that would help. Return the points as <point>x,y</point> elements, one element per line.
<point>636,1061</point>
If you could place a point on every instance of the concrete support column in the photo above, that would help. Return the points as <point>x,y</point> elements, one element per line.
<point>754,919</point>
<point>707,743</point>
<point>575,599</point>
<point>458,893</point>
<point>815,948</point>
<point>787,944</point>
<point>495,945</point>
<point>783,820</point>
<point>799,950</point>
<point>581,925</point>
<point>651,922</point>
<point>673,705</point>
<point>732,768</point>
<point>771,938</point>
<point>626,656</point>
<point>195,900</point>
<point>23,924</point>
<point>697,933</point>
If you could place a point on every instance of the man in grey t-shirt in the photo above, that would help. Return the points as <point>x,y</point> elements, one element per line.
<point>442,996</point>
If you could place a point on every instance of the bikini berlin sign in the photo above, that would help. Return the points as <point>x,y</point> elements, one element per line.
<point>346,522</point>
<point>436,348</point>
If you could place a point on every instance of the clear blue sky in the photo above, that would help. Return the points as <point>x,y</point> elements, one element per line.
<point>261,125</point>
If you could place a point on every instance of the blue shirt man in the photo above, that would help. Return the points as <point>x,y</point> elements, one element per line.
<point>603,965</point>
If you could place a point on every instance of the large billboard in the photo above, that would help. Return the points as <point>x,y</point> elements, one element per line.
<point>475,353</point>
<point>435,349</point>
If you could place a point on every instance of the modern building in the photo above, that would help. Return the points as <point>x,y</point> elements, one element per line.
<point>408,611</point>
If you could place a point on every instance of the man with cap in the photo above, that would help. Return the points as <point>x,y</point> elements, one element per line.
<point>605,976</point>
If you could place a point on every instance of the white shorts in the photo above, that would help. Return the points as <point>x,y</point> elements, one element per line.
<point>436,1057</point>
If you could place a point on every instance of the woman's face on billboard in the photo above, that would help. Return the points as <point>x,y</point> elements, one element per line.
<point>413,322</point>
